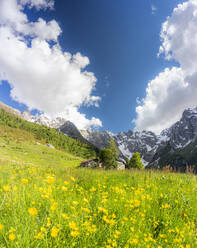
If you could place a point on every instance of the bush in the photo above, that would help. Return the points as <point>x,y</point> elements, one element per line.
<point>108,159</point>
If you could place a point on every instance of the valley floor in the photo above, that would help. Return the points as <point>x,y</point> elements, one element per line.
<point>68,207</point>
<point>46,202</point>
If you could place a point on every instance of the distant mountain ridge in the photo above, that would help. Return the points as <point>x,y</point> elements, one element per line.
<point>175,145</point>
<point>156,150</point>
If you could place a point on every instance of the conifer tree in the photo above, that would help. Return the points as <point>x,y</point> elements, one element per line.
<point>113,147</point>
<point>135,161</point>
<point>107,158</point>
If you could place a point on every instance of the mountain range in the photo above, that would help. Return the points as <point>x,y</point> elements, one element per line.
<point>175,146</point>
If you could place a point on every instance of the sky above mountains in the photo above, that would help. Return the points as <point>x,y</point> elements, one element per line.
<point>115,65</point>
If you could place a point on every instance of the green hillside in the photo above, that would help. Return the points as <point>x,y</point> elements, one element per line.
<point>179,158</point>
<point>48,135</point>
<point>21,147</point>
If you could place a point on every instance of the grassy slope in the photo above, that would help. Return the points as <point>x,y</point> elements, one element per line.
<point>50,135</point>
<point>21,147</point>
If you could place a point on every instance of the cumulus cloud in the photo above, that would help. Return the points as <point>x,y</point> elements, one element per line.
<point>81,121</point>
<point>42,76</point>
<point>175,89</point>
<point>38,3</point>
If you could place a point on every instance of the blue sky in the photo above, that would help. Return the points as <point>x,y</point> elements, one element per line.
<point>121,40</point>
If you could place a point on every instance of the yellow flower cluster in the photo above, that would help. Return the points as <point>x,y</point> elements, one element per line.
<point>51,208</point>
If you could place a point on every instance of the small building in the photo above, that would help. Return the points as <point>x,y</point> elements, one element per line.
<point>121,165</point>
<point>91,163</point>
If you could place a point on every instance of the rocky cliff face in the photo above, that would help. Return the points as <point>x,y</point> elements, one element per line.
<point>179,148</point>
<point>143,142</point>
<point>127,142</point>
<point>98,138</point>
<point>184,131</point>
<point>155,150</point>
<point>69,129</point>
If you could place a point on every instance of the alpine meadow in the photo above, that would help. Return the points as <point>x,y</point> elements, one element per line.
<point>98,124</point>
<point>48,201</point>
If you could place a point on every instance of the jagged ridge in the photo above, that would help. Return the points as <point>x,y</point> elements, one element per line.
<point>156,150</point>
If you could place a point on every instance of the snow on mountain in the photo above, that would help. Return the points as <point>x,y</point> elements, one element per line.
<point>149,145</point>
<point>178,136</point>
<point>127,142</point>
<point>182,132</point>
<point>43,119</point>
<point>98,138</point>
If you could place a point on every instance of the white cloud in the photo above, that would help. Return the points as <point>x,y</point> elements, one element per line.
<point>79,119</point>
<point>12,16</point>
<point>38,3</point>
<point>174,89</point>
<point>41,76</point>
<point>153,8</point>
<point>138,101</point>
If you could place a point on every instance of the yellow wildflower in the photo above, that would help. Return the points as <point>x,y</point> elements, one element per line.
<point>50,179</point>
<point>54,231</point>
<point>6,188</point>
<point>74,233</point>
<point>86,210</point>
<point>72,225</point>
<point>24,180</point>
<point>1,227</point>
<point>75,203</point>
<point>48,222</point>
<point>85,200</point>
<point>43,229</point>
<point>54,206</point>
<point>92,189</point>
<point>12,236</point>
<point>65,216</point>
<point>38,236</point>
<point>64,188</point>
<point>72,179</point>
<point>32,211</point>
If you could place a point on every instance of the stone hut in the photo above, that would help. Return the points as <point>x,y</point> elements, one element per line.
<point>91,163</point>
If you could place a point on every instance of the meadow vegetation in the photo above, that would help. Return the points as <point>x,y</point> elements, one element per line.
<point>69,207</point>
<point>48,135</point>
<point>47,201</point>
<point>21,147</point>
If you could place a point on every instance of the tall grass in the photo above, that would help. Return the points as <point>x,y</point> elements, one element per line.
<point>61,207</point>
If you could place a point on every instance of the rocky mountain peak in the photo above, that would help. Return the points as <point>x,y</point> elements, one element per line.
<point>69,129</point>
<point>98,138</point>
<point>152,147</point>
<point>184,131</point>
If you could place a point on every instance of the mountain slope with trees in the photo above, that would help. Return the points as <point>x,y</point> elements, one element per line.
<point>49,135</point>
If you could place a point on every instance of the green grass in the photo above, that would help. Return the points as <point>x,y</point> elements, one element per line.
<point>49,135</point>
<point>21,147</point>
<point>46,202</point>
<point>94,208</point>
